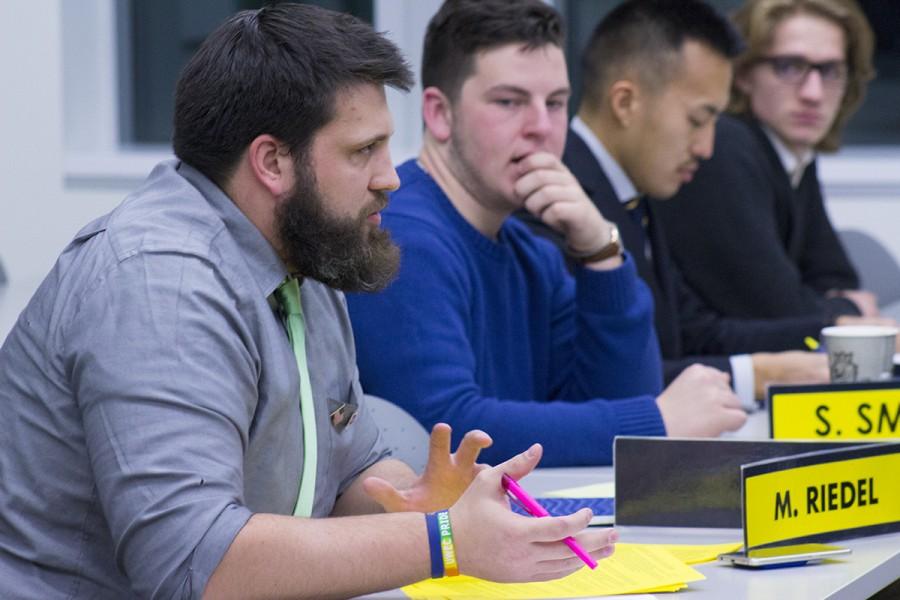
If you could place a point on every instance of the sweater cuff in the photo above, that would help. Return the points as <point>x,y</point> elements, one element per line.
<point>637,416</point>
<point>612,291</point>
<point>838,306</point>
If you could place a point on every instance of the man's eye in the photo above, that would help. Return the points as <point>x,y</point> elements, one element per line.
<point>791,66</point>
<point>835,71</point>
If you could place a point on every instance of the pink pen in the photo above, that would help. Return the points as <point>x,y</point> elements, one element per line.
<point>536,510</point>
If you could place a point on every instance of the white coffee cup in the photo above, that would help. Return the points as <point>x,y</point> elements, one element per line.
<point>860,352</point>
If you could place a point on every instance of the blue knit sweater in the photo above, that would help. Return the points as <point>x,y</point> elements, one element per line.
<point>497,335</point>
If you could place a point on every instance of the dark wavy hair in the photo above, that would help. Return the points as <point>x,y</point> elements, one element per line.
<point>275,70</point>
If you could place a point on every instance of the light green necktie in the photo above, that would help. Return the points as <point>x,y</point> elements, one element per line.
<point>288,296</point>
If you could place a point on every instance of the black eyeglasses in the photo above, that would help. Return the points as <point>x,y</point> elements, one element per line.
<point>795,69</point>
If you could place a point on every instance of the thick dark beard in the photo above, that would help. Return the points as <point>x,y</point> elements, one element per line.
<point>347,254</point>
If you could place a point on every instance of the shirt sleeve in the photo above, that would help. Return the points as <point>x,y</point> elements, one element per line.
<point>706,332</point>
<point>743,381</point>
<point>165,378</point>
<point>414,349</point>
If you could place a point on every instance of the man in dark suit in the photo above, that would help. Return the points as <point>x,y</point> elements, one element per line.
<point>766,247</point>
<point>656,78</point>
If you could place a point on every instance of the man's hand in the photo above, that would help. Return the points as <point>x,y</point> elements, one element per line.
<point>552,194</point>
<point>445,478</point>
<point>854,320</point>
<point>494,543</point>
<point>795,366</point>
<point>865,301</point>
<point>700,403</point>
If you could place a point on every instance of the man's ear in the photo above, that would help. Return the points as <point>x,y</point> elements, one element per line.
<point>743,83</point>
<point>272,164</point>
<point>437,113</point>
<point>624,99</point>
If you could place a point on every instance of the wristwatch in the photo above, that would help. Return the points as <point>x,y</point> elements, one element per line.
<point>612,248</point>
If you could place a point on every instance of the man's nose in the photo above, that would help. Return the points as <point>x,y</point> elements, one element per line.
<point>704,143</point>
<point>385,177</point>
<point>538,122</point>
<point>812,87</point>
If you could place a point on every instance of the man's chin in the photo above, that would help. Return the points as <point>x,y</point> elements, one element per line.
<point>668,189</point>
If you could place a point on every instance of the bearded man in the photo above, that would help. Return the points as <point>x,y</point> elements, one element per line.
<point>181,394</point>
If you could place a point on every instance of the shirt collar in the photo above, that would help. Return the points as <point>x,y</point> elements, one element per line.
<point>267,268</point>
<point>793,166</point>
<point>620,182</point>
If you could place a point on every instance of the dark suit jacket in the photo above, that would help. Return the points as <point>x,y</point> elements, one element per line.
<point>688,330</point>
<point>748,243</point>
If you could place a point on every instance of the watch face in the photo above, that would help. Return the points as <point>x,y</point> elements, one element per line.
<point>613,234</point>
<point>612,248</point>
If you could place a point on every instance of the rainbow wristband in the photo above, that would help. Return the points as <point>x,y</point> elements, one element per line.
<point>448,552</point>
<point>434,545</point>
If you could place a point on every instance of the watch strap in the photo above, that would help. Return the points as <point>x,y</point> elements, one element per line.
<point>612,248</point>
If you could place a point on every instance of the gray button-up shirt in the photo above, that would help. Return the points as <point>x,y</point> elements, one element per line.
<point>150,400</point>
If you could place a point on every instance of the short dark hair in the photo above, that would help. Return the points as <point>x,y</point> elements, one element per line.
<point>646,37</point>
<point>275,70</point>
<point>462,28</point>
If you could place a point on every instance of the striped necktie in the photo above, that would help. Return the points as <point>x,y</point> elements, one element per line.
<point>288,296</point>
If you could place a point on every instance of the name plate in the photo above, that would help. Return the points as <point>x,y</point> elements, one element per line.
<point>828,494</point>
<point>839,411</point>
<point>691,482</point>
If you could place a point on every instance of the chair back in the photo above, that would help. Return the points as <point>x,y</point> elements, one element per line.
<point>878,270</point>
<point>402,433</point>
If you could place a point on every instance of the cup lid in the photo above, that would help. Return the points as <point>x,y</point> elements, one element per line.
<point>859,331</point>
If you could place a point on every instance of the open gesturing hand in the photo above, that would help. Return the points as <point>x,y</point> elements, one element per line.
<point>445,478</point>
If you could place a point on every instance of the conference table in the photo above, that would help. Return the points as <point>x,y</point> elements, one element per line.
<point>873,565</point>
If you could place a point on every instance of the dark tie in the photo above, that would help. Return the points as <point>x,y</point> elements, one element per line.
<point>288,296</point>
<point>637,210</point>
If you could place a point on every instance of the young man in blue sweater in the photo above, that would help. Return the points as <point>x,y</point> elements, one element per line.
<point>484,326</point>
<point>656,76</point>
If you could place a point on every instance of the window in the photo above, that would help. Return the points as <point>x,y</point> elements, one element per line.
<point>877,122</point>
<point>157,38</point>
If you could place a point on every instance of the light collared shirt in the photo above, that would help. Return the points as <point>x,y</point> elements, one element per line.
<point>151,400</point>
<point>793,165</point>
<point>621,183</point>
<point>741,364</point>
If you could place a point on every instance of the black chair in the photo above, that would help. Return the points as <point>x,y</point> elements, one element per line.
<point>877,268</point>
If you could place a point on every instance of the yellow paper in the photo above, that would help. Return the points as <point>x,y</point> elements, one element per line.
<point>634,568</point>
<point>695,554</point>
<point>607,489</point>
